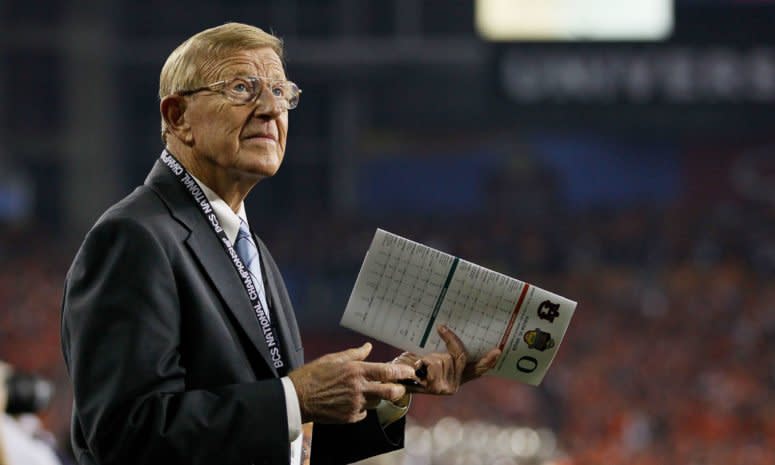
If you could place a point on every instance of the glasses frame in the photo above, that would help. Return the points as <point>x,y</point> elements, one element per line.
<point>258,84</point>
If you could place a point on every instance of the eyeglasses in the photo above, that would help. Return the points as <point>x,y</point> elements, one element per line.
<point>245,90</point>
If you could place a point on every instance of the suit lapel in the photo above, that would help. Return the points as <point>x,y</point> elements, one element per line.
<point>208,250</point>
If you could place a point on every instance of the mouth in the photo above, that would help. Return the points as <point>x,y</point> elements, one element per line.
<point>258,137</point>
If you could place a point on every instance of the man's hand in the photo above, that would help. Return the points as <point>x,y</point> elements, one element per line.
<point>339,387</point>
<point>446,372</point>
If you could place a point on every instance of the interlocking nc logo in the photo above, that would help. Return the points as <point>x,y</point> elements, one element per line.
<point>548,311</point>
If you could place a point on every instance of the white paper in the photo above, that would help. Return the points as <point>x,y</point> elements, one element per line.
<point>405,290</point>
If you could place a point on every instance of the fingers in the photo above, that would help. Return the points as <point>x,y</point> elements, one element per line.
<point>491,357</point>
<point>407,358</point>
<point>441,375</point>
<point>487,362</point>
<point>358,416</point>
<point>456,350</point>
<point>354,354</point>
<point>387,391</point>
<point>454,344</point>
<point>340,387</point>
<point>479,367</point>
<point>417,389</point>
<point>386,372</point>
<point>443,371</point>
<point>446,372</point>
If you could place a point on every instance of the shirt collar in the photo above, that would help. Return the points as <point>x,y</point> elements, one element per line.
<point>229,220</point>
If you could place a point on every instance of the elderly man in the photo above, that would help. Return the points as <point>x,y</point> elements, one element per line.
<point>177,329</point>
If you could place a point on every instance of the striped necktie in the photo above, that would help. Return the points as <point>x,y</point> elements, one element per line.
<point>248,253</point>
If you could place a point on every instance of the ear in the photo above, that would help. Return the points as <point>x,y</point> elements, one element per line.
<point>173,110</point>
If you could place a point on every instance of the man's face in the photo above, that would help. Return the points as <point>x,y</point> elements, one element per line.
<point>242,140</point>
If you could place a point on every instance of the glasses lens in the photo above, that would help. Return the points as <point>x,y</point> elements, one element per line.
<point>245,90</point>
<point>286,91</point>
<point>292,92</point>
<point>240,90</point>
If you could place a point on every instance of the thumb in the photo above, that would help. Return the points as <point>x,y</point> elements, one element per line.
<point>354,354</point>
<point>483,365</point>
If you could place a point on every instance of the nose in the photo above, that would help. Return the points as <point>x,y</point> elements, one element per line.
<point>268,105</point>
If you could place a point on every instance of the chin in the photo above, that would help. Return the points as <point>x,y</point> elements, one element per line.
<point>269,172</point>
<point>266,168</point>
<point>262,165</point>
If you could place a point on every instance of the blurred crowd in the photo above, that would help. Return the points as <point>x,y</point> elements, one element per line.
<point>668,358</point>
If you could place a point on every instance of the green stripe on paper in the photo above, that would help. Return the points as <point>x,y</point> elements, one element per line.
<point>438,303</point>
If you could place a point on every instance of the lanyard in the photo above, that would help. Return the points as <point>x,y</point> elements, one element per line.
<point>191,186</point>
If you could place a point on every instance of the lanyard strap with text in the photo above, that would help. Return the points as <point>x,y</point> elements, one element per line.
<point>272,341</point>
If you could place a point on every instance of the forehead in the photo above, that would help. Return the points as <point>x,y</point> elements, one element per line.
<point>259,62</point>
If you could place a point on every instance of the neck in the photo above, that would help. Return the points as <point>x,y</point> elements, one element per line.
<point>230,187</point>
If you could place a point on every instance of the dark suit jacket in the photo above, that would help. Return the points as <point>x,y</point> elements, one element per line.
<point>165,354</point>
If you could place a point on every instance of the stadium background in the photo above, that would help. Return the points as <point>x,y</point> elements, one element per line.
<point>633,177</point>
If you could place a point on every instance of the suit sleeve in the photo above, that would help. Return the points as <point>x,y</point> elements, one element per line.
<point>338,444</point>
<point>121,321</point>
